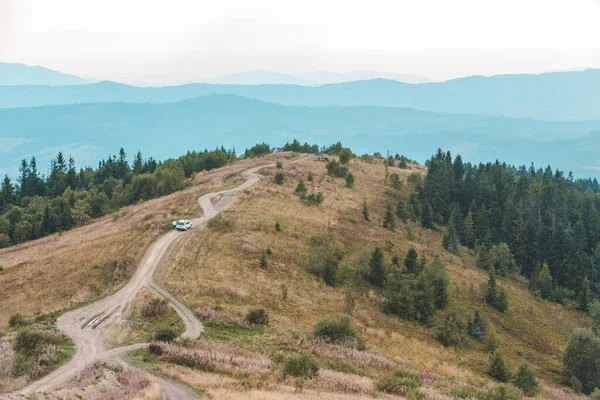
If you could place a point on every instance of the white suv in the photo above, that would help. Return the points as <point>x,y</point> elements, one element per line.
<point>183,225</point>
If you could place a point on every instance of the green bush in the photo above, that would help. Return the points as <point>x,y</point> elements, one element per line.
<point>504,392</point>
<point>301,366</point>
<point>257,316</point>
<point>16,320</point>
<point>466,392</point>
<point>595,394</point>
<point>165,335</point>
<point>498,368</point>
<point>525,380</point>
<point>582,359</point>
<point>278,165</point>
<point>349,180</point>
<point>313,199</point>
<point>401,382</point>
<point>220,224</point>
<point>279,177</point>
<point>300,188</point>
<point>334,168</point>
<point>336,331</point>
<point>29,343</point>
<point>450,331</point>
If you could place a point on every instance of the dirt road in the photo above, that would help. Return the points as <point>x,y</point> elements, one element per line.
<point>85,324</point>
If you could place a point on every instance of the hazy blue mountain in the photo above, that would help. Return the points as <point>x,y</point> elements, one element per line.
<point>21,74</point>
<point>93,131</point>
<point>552,96</point>
<point>261,78</point>
<point>325,77</point>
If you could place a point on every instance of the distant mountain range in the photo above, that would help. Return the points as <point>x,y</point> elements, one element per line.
<point>92,131</point>
<point>21,74</point>
<point>314,78</point>
<point>550,96</point>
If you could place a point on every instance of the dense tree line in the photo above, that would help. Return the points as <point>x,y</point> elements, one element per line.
<point>544,217</point>
<point>38,205</point>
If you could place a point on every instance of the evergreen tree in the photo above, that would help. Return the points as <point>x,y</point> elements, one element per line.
<point>427,216</point>
<point>491,293</point>
<point>402,211</point>
<point>525,380</point>
<point>584,298</point>
<point>365,211</point>
<point>477,327</point>
<point>483,257</point>
<point>389,221</point>
<point>138,164</point>
<point>262,261</point>
<point>6,193</point>
<point>450,240</point>
<point>543,282</point>
<point>349,180</point>
<point>377,271</point>
<point>300,188</point>
<point>469,230</point>
<point>498,368</point>
<point>411,262</point>
<point>438,280</point>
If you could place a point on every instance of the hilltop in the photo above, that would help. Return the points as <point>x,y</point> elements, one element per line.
<point>21,74</point>
<point>217,270</point>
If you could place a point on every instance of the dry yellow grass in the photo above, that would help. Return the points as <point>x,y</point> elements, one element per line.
<point>208,267</point>
<point>57,272</point>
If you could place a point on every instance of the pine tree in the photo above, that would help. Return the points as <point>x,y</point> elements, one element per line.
<point>262,262</point>
<point>138,164</point>
<point>450,241</point>
<point>389,221</point>
<point>498,368</point>
<point>300,188</point>
<point>585,296</point>
<point>483,257</point>
<point>349,180</point>
<point>402,211</point>
<point>469,230</point>
<point>411,262</point>
<point>427,216</point>
<point>492,290</point>
<point>525,380</point>
<point>365,211</point>
<point>377,269</point>
<point>543,282</point>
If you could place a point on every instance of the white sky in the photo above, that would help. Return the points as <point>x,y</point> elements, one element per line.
<point>183,40</point>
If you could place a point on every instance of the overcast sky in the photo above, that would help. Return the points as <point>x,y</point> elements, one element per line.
<point>185,40</point>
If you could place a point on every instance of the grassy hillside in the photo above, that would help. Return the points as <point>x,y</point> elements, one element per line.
<point>216,268</point>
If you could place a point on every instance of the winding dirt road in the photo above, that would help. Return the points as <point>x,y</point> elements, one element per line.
<point>85,324</point>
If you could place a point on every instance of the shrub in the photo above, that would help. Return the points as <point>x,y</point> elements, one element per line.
<point>349,180</point>
<point>262,261</point>
<point>498,368</point>
<point>595,394</point>
<point>313,199</point>
<point>165,335</point>
<point>400,382</point>
<point>335,169</point>
<point>504,392</point>
<point>279,177</point>
<point>300,188</point>
<point>345,155</point>
<point>336,331</point>
<point>221,224</point>
<point>582,359</point>
<point>17,320</point>
<point>257,316</point>
<point>301,366</point>
<point>29,343</point>
<point>155,308</point>
<point>450,331</point>
<point>277,227</point>
<point>278,165</point>
<point>525,380</point>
